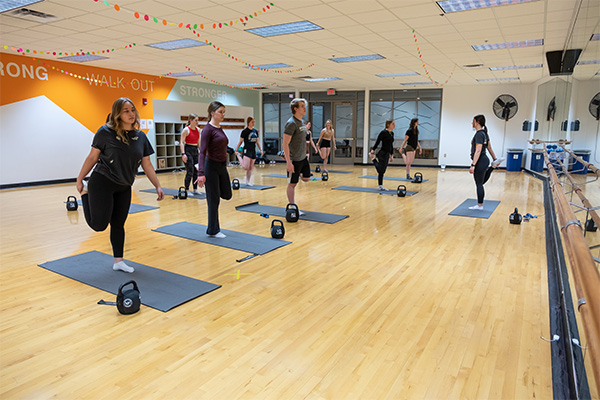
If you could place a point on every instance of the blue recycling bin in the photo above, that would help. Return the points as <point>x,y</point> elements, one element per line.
<point>579,168</point>
<point>514,159</point>
<point>556,154</point>
<point>537,161</point>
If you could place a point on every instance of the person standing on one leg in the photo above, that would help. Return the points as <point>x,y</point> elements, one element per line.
<point>294,148</point>
<point>212,166</point>
<point>118,149</point>
<point>189,145</point>
<point>309,141</point>
<point>410,145</point>
<point>326,139</point>
<point>385,155</point>
<point>249,137</point>
<point>480,162</point>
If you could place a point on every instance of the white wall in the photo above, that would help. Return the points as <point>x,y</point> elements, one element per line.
<point>587,136</point>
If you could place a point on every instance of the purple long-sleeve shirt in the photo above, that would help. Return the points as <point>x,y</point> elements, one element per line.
<point>213,144</point>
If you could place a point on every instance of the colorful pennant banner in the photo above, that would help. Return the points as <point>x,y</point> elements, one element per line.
<point>65,53</point>
<point>425,66</point>
<point>224,84</point>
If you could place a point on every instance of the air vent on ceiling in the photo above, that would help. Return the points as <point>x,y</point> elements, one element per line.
<point>304,77</point>
<point>32,15</point>
<point>473,66</point>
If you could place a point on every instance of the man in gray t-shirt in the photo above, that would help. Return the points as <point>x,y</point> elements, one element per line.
<point>294,147</point>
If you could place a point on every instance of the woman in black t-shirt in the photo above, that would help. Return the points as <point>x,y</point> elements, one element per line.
<point>480,162</point>
<point>118,149</point>
<point>249,137</point>
<point>410,145</point>
<point>385,155</point>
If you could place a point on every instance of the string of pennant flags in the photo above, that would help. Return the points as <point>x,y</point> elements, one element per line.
<point>58,53</point>
<point>425,66</point>
<point>223,84</point>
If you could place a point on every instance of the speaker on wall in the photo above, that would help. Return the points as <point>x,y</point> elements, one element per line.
<point>562,63</point>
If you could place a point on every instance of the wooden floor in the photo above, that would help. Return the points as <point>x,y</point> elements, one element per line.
<point>398,301</point>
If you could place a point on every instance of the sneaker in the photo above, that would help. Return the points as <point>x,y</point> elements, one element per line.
<point>218,235</point>
<point>121,266</point>
<point>409,177</point>
<point>497,162</point>
<point>196,191</point>
<point>476,207</point>
<point>383,189</point>
<point>249,184</point>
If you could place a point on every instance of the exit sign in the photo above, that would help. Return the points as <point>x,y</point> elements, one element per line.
<point>330,92</point>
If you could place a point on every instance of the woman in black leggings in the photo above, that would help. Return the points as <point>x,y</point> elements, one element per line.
<point>212,166</point>
<point>480,162</point>
<point>118,149</point>
<point>385,155</point>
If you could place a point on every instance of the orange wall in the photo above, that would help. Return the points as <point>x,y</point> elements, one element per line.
<point>87,102</point>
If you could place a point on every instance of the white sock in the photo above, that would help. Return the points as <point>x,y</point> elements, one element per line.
<point>121,266</point>
<point>219,235</point>
<point>476,207</point>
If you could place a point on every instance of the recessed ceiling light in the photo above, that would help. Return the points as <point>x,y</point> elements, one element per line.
<point>397,74</point>
<point>186,73</point>
<point>284,29</point>
<point>321,79</point>
<point>588,62</point>
<point>450,6</point>
<point>177,44</point>
<point>416,83</point>
<point>83,58</point>
<point>497,79</point>
<point>358,58</point>
<point>270,66</point>
<point>516,67</point>
<point>7,5</point>
<point>508,45</point>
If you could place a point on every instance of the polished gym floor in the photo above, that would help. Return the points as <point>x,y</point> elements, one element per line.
<point>398,301</point>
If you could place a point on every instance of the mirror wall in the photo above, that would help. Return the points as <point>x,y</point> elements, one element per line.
<point>553,104</point>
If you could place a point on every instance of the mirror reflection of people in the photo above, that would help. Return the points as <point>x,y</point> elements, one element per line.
<point>325,142</point>
<point>119,148</point>
<point>410,145</point>
<point>480,165</point>
<point>249,137</point>
<point>189,145</point>
<point>294,148</point>
<point>385,155</point>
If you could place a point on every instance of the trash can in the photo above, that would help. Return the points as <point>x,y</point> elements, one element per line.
<point>579,168</point>
<point>555,155</point>
<point>537,161</point>
<point>514,159</point>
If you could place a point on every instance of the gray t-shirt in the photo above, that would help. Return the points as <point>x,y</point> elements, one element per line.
<point>297,130</point>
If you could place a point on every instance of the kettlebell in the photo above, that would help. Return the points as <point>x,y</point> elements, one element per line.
<point>182,194</point>
<point>401,191</point>
<point>515,218</point>
<point>72,203</point>
<point>325,176</point>
<point>277,231</point>
<point>590,225</point>
<point>292,214</point>
<point>235,184</point>
<point>418,177</point>
<point>129,300</point>
<point>318,169</point>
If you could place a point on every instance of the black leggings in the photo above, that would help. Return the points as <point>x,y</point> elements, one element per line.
<point>217,187</point>
<point>482,174</point>
<point>191,173</point>
<point>107,202</point>
<point>381,165</point>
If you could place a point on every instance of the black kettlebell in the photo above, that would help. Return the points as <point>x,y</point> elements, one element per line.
<point>401,191</point>
<point>418,178</point>
<point>182,193</point>
<point>235,184</point>
<point>590,226</point>
<point>277,231</point>
<point>128,301</point>
<point>72,203</point>
<point>515,218</point>
<point>318,169</point>
<point>325,176</point>
<point>292,214</point>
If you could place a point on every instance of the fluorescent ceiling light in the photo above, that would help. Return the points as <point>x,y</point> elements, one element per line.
<point>357,58</point>
<point>7,5</point>
<point>321,79</point>
<point>508,45</point>
<point>177,44</point>
<point>270,66</point>
<point>588,62</point>
<point>416,83</point>
<point>497,79</point>
<point>449,6</point>
<point>398,74</point>
<point>516,67</point>
<point>247,84</point>
<point>83,58</point>
<point>186,73</point>
<point>285,29</point>
<point>595,36</point>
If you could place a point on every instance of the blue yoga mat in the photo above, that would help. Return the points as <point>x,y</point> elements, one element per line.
<point>391,192</point>
<point>175,192</point>
<point>134,208</point>
<point>463,209</point>
<point>389,178</point>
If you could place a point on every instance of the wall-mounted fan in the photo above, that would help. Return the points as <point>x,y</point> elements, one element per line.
<point>595,106</point>
<point>505,106</point>
<point>551,109</point>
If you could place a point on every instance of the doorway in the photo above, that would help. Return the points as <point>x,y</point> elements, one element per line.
<point>343,116</point>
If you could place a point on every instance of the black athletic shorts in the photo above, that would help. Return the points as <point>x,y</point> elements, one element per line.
<point>300,167</point>
<point>325,143</point>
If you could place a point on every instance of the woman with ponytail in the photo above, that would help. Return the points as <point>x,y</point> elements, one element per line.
<point>189,145</point>
<point>480,164</point>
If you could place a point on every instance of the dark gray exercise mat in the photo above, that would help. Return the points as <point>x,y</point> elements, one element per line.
<point>463,210</point>
<point>134,208</point>
<point>175,192</point>
<point>280,212</point>
<point>159,289</point>
<point>391,192</point>
<point>255,187</point>
<point>333,171</point>
<point>389,178</point>
<point>275,175</point>
<point>234,240</point>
